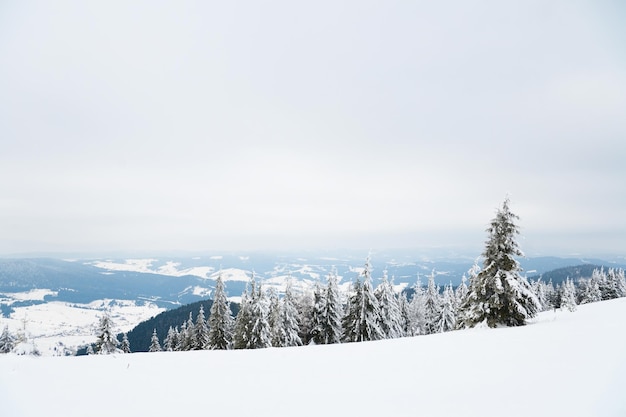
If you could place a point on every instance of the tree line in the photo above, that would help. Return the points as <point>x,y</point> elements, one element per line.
<point>366,313</point>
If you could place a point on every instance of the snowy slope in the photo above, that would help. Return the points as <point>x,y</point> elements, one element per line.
<point>563,364</point>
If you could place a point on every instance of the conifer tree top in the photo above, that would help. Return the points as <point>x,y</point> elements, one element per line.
<point>501,242</point>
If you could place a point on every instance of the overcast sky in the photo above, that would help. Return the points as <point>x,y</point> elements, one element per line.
<point>201,125</point>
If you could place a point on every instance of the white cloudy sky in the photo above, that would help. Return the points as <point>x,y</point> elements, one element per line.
<point>198,125</point>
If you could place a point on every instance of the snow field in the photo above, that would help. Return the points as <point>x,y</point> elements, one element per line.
<point>74,324</point>
<point>562,364</point>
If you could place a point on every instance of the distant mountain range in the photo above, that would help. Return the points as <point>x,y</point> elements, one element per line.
<point>171,282</point>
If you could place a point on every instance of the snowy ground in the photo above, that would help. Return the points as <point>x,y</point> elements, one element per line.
<point>564,364</point>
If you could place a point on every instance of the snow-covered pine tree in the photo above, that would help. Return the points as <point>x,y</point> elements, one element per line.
<point>405,314</point>
<point>275,319</point>
<point>351,318</point>
<point>155,346</point>
<point>221,319</point>
<point>7,341</point>
<point>447,314</point>
<point>568,295</point>
<point>290,318</point>
<point>107,342</point>
<point>90,349</point>
<point>125,344</point>
<point>304,304</point>
<point>615,284</point>
<point>461,291</point>
<point>416,309</point>
<point>369,328</point>
<point>364,320</point>
<point>390,316</point>
<point>170,341</point>
<point>460,296</point>
<point>589,291</point>
<point>331,326</point>
<point>601,277</point>
<point>538,289</point>
<point>317,316</point>
<point>500,295</point>
<point>260,333</point>
<point>177,340</point>
<point>432,306</point>
<point>581,288</point>
<point>201,330</point>
<point>243,321</point>
<point>191,340</point>
<point>552,296</point>
<point>620,282</point>
<point>598,278</point>
<point>183,338</point>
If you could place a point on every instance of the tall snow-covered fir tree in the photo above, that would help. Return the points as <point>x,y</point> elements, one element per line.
<point>220,320</point>
<point>304,304</point>
<point>417,322</point>
<point>390,315</point>
<point>460,295</point>
<point>155,346</point>
<point>243,321</point>
<point>405,314</point>
<point>606,288</point>
<point>275,318</point>
<point>317,315</point>
<point>500,295</point>
<point>290,318</point>
<point>171,340</point>
<point>192,337</point>
<point>568,295</point>
<point>539,290</point>
<point>333,311</point>
<point>201,330</point>
<point>7,341</point>
<point>183,338</point>
<point>551,295</point>
<point>447,314</point>
<point>107,342</point>
<point>125,347</point>
<point>432,306</point>
<point>349,322</point>
<point>585,292</point>
<point>362,322</point>
<point>614,284</point>
<point>620,282</point>
<point>260,333</point>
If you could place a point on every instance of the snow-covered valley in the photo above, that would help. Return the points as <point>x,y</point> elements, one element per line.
<point>58,328</point>
<point>561,364</point>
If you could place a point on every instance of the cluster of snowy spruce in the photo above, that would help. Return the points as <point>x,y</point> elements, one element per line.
<point>602,285</point>
<point>17,343</point>
<point>497,295</point>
